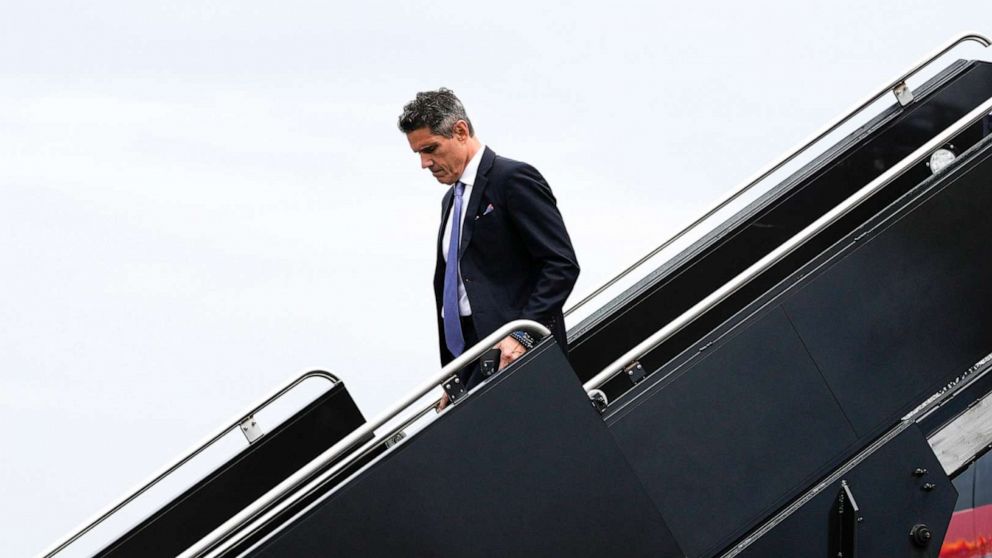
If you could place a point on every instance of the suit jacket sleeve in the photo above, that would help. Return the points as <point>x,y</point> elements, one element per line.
<point>535,215</point>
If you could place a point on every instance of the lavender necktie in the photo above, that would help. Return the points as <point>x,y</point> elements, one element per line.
<point>452,320</point>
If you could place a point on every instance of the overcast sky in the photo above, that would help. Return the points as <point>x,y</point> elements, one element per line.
<point>203,199</point>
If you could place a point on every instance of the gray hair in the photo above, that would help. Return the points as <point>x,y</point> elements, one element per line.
<point>438,110</point>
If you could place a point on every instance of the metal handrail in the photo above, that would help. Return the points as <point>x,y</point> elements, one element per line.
<point>786,248</point>
<point>787,158</point>
<point>300,484</point>
<point>256,525</point>
<point>224,430</point>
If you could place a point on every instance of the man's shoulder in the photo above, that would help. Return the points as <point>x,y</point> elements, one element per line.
<point>505,169</point>
<point>507,165</point>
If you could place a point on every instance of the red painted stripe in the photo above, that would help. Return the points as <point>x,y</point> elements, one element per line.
<point>969,534</point>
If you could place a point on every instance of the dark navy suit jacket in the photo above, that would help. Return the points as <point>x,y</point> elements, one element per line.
<point>517,261</point>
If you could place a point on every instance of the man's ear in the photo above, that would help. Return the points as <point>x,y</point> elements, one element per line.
<point>460,130</point>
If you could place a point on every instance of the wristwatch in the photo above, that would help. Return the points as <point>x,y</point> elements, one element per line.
<point>524,339</point>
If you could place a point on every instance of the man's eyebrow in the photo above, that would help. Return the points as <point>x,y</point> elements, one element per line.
<point>426,147</point>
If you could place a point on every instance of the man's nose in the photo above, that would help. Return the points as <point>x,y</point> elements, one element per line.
<point>425,162</point>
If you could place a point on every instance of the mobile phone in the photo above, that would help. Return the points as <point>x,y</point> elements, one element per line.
<point>489,362</point>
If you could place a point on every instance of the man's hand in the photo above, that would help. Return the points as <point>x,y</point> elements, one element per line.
<point>442,403</point>
<point>509,350</point>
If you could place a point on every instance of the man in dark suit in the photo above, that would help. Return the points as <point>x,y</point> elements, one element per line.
<point>503,252</point>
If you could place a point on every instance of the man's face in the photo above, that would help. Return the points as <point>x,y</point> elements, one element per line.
<point>446,158</point>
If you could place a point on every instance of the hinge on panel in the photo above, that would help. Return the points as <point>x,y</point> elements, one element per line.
<point>251,429</point>
<point>455,389</point>
<point>902,93</point>
<point>635,373</point>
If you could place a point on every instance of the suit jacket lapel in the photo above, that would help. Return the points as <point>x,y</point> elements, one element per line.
<point>445,212</point>
<point>481,179</point>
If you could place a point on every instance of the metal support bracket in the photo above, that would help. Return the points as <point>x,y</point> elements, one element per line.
<point>251,429</point>
<point>903,94</point>
<point>636,373</point>
<point>844,524</point>
<point>455,389</point>
<point>395,439</point>
<point>598,400</point>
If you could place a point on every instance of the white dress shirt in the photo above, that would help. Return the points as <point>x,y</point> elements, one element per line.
<point>468,179</point>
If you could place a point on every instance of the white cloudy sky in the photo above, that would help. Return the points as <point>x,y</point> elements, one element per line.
<point>199,200</point>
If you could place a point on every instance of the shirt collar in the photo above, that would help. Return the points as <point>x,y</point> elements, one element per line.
<point>472,168</point>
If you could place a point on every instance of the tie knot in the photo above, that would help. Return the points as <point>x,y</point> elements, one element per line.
<point>459,189</point>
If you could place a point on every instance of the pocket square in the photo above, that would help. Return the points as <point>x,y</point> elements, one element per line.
<point>489,209</point>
